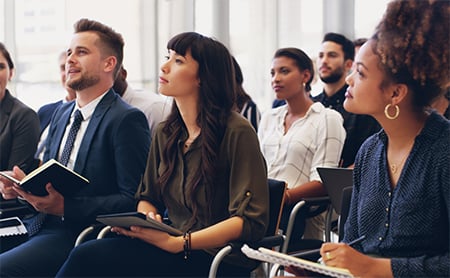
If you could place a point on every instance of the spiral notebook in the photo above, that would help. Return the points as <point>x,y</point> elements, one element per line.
<point>11,226</point>
<point>267,255</point>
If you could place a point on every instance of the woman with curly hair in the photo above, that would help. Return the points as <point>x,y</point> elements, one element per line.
<point>401,198</point>
<point>204,168</point>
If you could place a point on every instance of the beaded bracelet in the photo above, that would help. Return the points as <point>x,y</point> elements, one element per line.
<point>187,244</point>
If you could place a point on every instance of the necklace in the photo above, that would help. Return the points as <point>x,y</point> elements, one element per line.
<point>395,166</point>
<point>188,142</point>
<point>191,139</point>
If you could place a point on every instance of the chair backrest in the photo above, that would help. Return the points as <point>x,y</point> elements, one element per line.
<point>271,239</point>
<point>335,179</point>
<point>276,203</point>
<point>345,207</point>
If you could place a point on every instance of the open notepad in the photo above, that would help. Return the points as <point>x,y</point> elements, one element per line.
<point>267,255</point>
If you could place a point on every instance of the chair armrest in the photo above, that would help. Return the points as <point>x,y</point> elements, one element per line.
<point>86,232</point>
<point>218,259</point>
<point>290,226</point>
<point>235,246</point>
<point>316,206</point>
<point>267,242</point>
<point>103,232</point>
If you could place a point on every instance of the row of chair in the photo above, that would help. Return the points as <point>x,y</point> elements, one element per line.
<point>283,242</point>
<point>342,210</point>
<point>273,238</point>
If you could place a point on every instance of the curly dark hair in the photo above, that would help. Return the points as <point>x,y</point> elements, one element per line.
<point>412,41</point>
<point>216,101</point>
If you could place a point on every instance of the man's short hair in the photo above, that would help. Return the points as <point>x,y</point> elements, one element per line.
<point>112,42</point>
<point>347,45</point>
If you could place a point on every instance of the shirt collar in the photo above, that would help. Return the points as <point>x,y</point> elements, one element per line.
<point>89,108</point>
<point>338,97</point>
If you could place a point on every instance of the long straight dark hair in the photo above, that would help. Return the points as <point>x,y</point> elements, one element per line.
<point>216,100</point>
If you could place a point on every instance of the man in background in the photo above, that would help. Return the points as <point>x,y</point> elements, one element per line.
<point>334,61</point>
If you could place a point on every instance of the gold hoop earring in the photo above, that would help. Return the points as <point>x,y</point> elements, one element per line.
<point>386,112</point>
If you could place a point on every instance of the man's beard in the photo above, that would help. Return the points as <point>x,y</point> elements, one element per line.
<point>83,83</point>
<point>334,77</point>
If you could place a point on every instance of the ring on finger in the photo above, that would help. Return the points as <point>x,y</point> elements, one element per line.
<point>328,255</point>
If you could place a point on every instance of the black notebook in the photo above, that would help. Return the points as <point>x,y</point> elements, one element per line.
<point>64,180</point>
<point>128,219</point>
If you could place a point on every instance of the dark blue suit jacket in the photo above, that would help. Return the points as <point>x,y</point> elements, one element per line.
<point>45,113</point>
<point>112,156</point>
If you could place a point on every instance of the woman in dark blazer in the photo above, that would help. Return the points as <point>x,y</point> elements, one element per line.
<point>19,124</point>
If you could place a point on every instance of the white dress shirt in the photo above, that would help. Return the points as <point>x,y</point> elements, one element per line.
<point>87,112</point>
<point>315,140</point>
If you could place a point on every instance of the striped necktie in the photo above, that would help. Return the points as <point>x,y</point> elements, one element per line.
<point>78,118</point>
<point>38,220</point>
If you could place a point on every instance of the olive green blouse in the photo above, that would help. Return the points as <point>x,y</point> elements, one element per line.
<point>240,190</point>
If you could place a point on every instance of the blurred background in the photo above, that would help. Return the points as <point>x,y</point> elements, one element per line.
<point>36,31</point>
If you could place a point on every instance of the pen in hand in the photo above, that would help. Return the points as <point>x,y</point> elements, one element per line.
<point>351,243</point>
<point>358,240</point>
<point>317,251</point>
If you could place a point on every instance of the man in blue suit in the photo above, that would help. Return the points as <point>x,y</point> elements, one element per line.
<point>110,149</point>
<point>46,111</point>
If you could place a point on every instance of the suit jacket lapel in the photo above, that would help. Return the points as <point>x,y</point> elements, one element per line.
<point>97,117</point>
<point>60,130</point>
